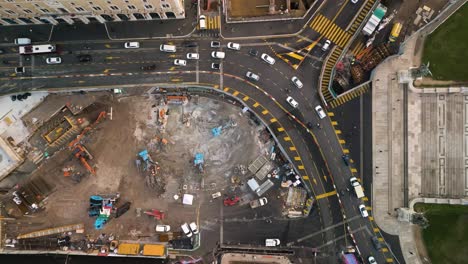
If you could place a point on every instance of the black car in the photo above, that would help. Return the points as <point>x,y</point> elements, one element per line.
<point>84,58</point>
<point>190,44</point>
<point>2,51</point>
<point>148,67</point>
<point>253,52</point>
<point>215,66</point>
<point>376,243</point>
<point>345,159</point>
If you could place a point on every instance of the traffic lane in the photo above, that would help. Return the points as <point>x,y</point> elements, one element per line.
<point>250,231</point>
<point>119,79</point>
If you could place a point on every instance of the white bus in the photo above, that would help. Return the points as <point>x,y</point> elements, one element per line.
<point>33,49</point>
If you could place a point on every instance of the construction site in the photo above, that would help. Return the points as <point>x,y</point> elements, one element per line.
<point>111,173</point>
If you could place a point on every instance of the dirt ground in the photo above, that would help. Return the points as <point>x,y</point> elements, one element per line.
<point>115,145</point>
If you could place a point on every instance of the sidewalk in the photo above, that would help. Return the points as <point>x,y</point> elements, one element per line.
<point>395,98</point>
<point>140,29</point>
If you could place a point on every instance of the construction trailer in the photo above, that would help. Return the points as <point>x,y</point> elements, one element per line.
<point>374,20</point>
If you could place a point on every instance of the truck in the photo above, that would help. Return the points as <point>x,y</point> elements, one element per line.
<point>357,187</point>
<point>396,29</point>
<point>259,202</point>
<point>374,20</point>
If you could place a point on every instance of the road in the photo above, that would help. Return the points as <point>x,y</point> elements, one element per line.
<point>317,150</point>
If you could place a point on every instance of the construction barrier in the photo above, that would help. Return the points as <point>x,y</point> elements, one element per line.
<point>128,249</point>
<point>154,250</point>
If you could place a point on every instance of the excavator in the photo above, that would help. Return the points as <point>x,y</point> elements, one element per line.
<point>79,151</point>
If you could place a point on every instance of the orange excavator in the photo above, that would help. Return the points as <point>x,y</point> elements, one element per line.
<point>79,151</point>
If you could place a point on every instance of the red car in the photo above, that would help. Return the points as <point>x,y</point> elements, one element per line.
<point>230,201</point>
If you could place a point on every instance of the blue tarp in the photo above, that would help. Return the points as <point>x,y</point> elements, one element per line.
<point>198,159</point>
<point>350,259</point>
<point>216,131</point>
<point>144,155</point>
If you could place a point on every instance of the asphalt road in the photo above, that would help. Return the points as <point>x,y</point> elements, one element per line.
<point>320,152</point>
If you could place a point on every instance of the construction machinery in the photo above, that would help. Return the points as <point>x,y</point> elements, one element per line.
<point>199,162</point>
<point>81,153</point>
<point>157,214</point>
<point>101,115</point>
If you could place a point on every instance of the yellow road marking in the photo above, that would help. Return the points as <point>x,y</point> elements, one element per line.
<point>280,129</point>
<point>226,89</point>
<point>292,148</point>
<point>368,208</point>
<point>338,132</point>
<point>287,139</point>
<point>389,260</point>
<point>107,46</point>
<point>176,80</point>
<point>334,123</point>
<point>245,98</point>
<point>331,114</point>
<point>384,249</point>
<point>376,230</point>
<point>305,177</point>
<point>297,158</point>
<point>172,68</point>
<point>325,178</point>
<point>346,151</point>
<point>300,167</point>
<point>315,181</point>
<point>264,112</point>
<point>353,170</point>
<point>235,93</point>
<point>371,218</point>
<point>365,199</point>
<point>324,195</point>
<point>273,120</point>
<point>294,55</point>
<point>342,141</point>
<point>256,104</point>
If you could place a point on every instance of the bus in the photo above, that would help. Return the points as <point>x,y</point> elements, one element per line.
<point>33,49</point>
<point>395,32</point>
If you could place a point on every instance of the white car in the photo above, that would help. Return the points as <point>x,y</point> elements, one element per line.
<point>297,82</point>
<point>163,228</point>
<point>233,46</point>
<point>268,59</point>
<point>320,112</point>
<point>362,209</point>
<point>326,45</point>
<point>272,242</point>
<point>218,54</point>
<point>54,60</point>
<point>194,228</point>
<point>354,1</point>
<point>193,56</point>
<point>179,62</point>
<point>252,76</point>
<point>132,45</point>
<point>371,260</point>
<point>292,102</point>
<point>186,229</point>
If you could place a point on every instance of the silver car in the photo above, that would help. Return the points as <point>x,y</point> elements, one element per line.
<point>268,59</point>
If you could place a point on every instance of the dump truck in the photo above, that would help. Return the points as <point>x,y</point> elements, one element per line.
<point>357,187</point>
<point>259,202</point>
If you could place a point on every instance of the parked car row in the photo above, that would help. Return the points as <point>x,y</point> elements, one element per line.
<point>190,229</point>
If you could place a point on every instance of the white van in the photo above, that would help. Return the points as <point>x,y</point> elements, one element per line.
<point>167,48</point>
<point>202,22</point>
<point>272,242</point>
<point>22,41</point>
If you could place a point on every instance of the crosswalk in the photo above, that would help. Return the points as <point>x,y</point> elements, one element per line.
<point>331,98</point>
<point>330,30</point>
<point>212,22</point>
<point>350,95</point>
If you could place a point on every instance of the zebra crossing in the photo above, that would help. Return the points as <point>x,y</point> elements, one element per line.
<point>330,30</point>
<point>212,22</point>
